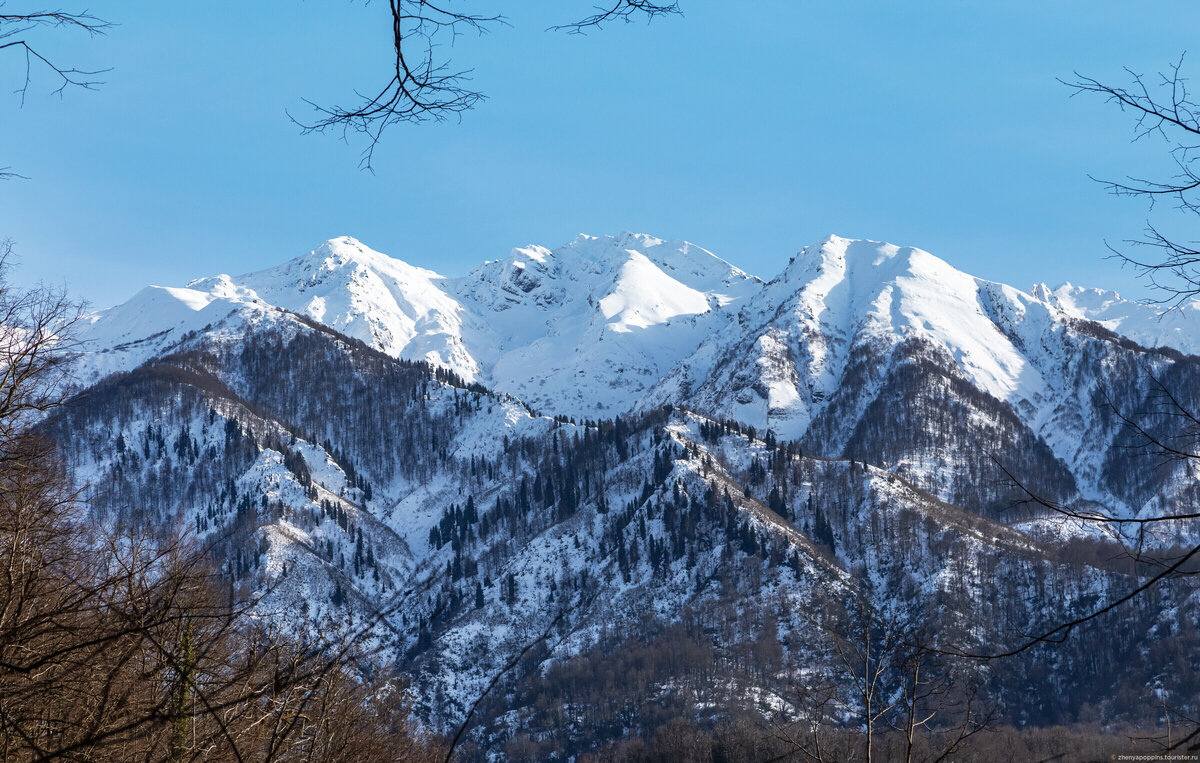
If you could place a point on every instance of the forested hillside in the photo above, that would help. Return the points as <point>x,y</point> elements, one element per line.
<point>665,571</point>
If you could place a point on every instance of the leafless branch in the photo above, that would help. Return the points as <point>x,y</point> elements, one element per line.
<point>620,10</point>
<point>1169,447</point>
<point>1174,270</point>
<point>1165,108</point>
<point>423,85</point>
<point>1059,634</point>
<point>14,35</point>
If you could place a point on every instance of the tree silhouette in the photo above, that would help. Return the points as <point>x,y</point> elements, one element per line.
<point>421,85</point>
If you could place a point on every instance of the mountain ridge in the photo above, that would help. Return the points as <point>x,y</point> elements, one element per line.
<point>334,477</point>
<point>415,313</point>
<point>604,326</point>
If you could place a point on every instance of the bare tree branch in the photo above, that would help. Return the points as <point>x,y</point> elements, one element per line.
<point>1165,108</point>
<point>620,10</point>
<point>1169,447</point>
<point>1059,634</point>
<point>423,86</point>
<point>14,29</point>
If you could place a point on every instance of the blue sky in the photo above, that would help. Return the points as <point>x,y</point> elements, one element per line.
<point>751,129</point>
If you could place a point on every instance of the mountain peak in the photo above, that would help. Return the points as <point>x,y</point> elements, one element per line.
<point>626,239</point>
<point>681,260</point>
<point>1147,324</point>
<point>863,261</point>
<point>344,245</point>
<point>345,253</point>
<point>595,324</point>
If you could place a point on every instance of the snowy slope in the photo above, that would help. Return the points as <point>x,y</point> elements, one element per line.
<point>836,297</point>
<point>390,305</point>
<point>594,326</point>
<point>345,482</point>
<point>1147,324</point>
<point>585,329</point>
<point>152,322</point>
<point>606,325</point>
<point>848,321</point>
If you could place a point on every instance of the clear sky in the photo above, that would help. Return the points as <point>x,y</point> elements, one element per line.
<point>749,128</point>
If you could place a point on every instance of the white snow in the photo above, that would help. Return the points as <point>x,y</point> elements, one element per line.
<point>603,325</point>
<point>1148,324</point>
<point>583,330</point>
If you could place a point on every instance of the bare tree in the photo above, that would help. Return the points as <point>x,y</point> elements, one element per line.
<point>1152,567</point>
<point>19,30</point>
<point>35,340</point>
<point>1163,108</point>
<point>936,704</point>
<point>124,646</point>
<point>868,652</point>
<point>889,692</point>
<point>814,736</point>
<point>421,85</point>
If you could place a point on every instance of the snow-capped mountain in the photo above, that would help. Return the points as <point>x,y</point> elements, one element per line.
<point>841,296</point>
<point>601,324</point>
<point>584,330</point>
<point>1147,324</point>
<point>605,326</point>
<point>627,442</point>
<point>842,347</point>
